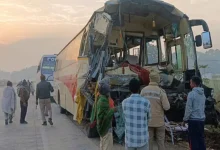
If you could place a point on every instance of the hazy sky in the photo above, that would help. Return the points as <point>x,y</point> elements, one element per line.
<point>32,28</point>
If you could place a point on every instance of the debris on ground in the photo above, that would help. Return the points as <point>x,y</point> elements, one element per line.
<point>212,137</point>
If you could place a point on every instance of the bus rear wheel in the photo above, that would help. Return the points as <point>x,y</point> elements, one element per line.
<point>91,132</point>
<point>62,110</point>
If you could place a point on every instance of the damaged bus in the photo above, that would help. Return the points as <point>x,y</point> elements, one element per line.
<point>125,39</point>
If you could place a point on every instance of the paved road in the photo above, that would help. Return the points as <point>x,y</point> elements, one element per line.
<point>64,135</point>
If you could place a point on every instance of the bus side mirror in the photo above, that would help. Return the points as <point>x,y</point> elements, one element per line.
<point>206,40</point>
<point>198,40</point>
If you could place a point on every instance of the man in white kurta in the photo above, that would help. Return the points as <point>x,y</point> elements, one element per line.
<point>9,102</point>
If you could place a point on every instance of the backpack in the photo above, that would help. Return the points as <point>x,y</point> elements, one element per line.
<point>26,93</point>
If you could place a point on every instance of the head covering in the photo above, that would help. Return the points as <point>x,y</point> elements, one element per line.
<point>154,76</point>
<point>24,83</point>
<point>42,77</point>
<point>104,88</point>
<point>9,83</point>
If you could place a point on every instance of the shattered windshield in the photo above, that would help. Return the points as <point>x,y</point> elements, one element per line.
<point>152,53</point>
<point>189,44</point>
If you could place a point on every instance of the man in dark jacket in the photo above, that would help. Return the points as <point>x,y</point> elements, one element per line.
<point>24,97</point>
<point>43,94</point>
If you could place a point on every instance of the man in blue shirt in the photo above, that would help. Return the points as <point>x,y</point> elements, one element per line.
<point>136,110</point>
<point>195,115</point>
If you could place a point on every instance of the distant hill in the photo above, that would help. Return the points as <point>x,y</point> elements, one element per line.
<point>4,75</point>
<point>27,73</point>
<point>210,58</point>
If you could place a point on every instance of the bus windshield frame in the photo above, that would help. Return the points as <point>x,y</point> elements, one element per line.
<point>48,65</point>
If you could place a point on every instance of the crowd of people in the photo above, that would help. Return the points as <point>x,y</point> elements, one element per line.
<point>24,90</point>
<point>144,113</point>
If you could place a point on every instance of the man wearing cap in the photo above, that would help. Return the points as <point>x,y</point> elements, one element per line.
<point>159,104</point>
<point>104,117</point>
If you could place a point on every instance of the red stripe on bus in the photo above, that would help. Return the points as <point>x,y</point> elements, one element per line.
<point>70,82</point>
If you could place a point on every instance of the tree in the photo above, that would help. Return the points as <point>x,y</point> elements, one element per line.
<point>204,67</point>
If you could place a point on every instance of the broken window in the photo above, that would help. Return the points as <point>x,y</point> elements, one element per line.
<point>152,53</point>
<point>83,49</point>
<point>163,57</point>
<point>134,45</point>
<point>189,44</point>
<point>177,57</point>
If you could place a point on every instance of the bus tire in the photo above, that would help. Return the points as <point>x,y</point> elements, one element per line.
<point>62,110</point>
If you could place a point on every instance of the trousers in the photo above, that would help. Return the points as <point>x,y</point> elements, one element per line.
<point>106,142</point>
<point>8,116</point>
<point>159,134</point>
<point>45,104</point>
<point>23,112</point>
<point>196,135</point>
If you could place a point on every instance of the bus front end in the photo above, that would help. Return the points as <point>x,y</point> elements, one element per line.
<point>46,67</point>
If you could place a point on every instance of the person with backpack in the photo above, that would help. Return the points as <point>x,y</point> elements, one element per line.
<point>24,95</point>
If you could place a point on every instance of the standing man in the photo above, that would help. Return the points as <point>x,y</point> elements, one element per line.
<point>136,110</point>
<point>43,94</point>
<point>195,115</point>
<point>159,103</point>
<point>104,117</point>
<point>9,102</point>
<point>24,95</point>
<point>32,88</point>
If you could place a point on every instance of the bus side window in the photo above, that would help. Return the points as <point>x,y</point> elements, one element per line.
<point>177,57</point>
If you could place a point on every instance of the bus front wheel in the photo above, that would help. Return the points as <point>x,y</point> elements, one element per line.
<point>91,132</point>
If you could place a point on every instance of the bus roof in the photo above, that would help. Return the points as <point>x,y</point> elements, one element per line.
<point>54,55</point>
<point>136,7</point>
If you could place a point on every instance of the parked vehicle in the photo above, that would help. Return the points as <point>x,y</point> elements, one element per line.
<point>46,67</point>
